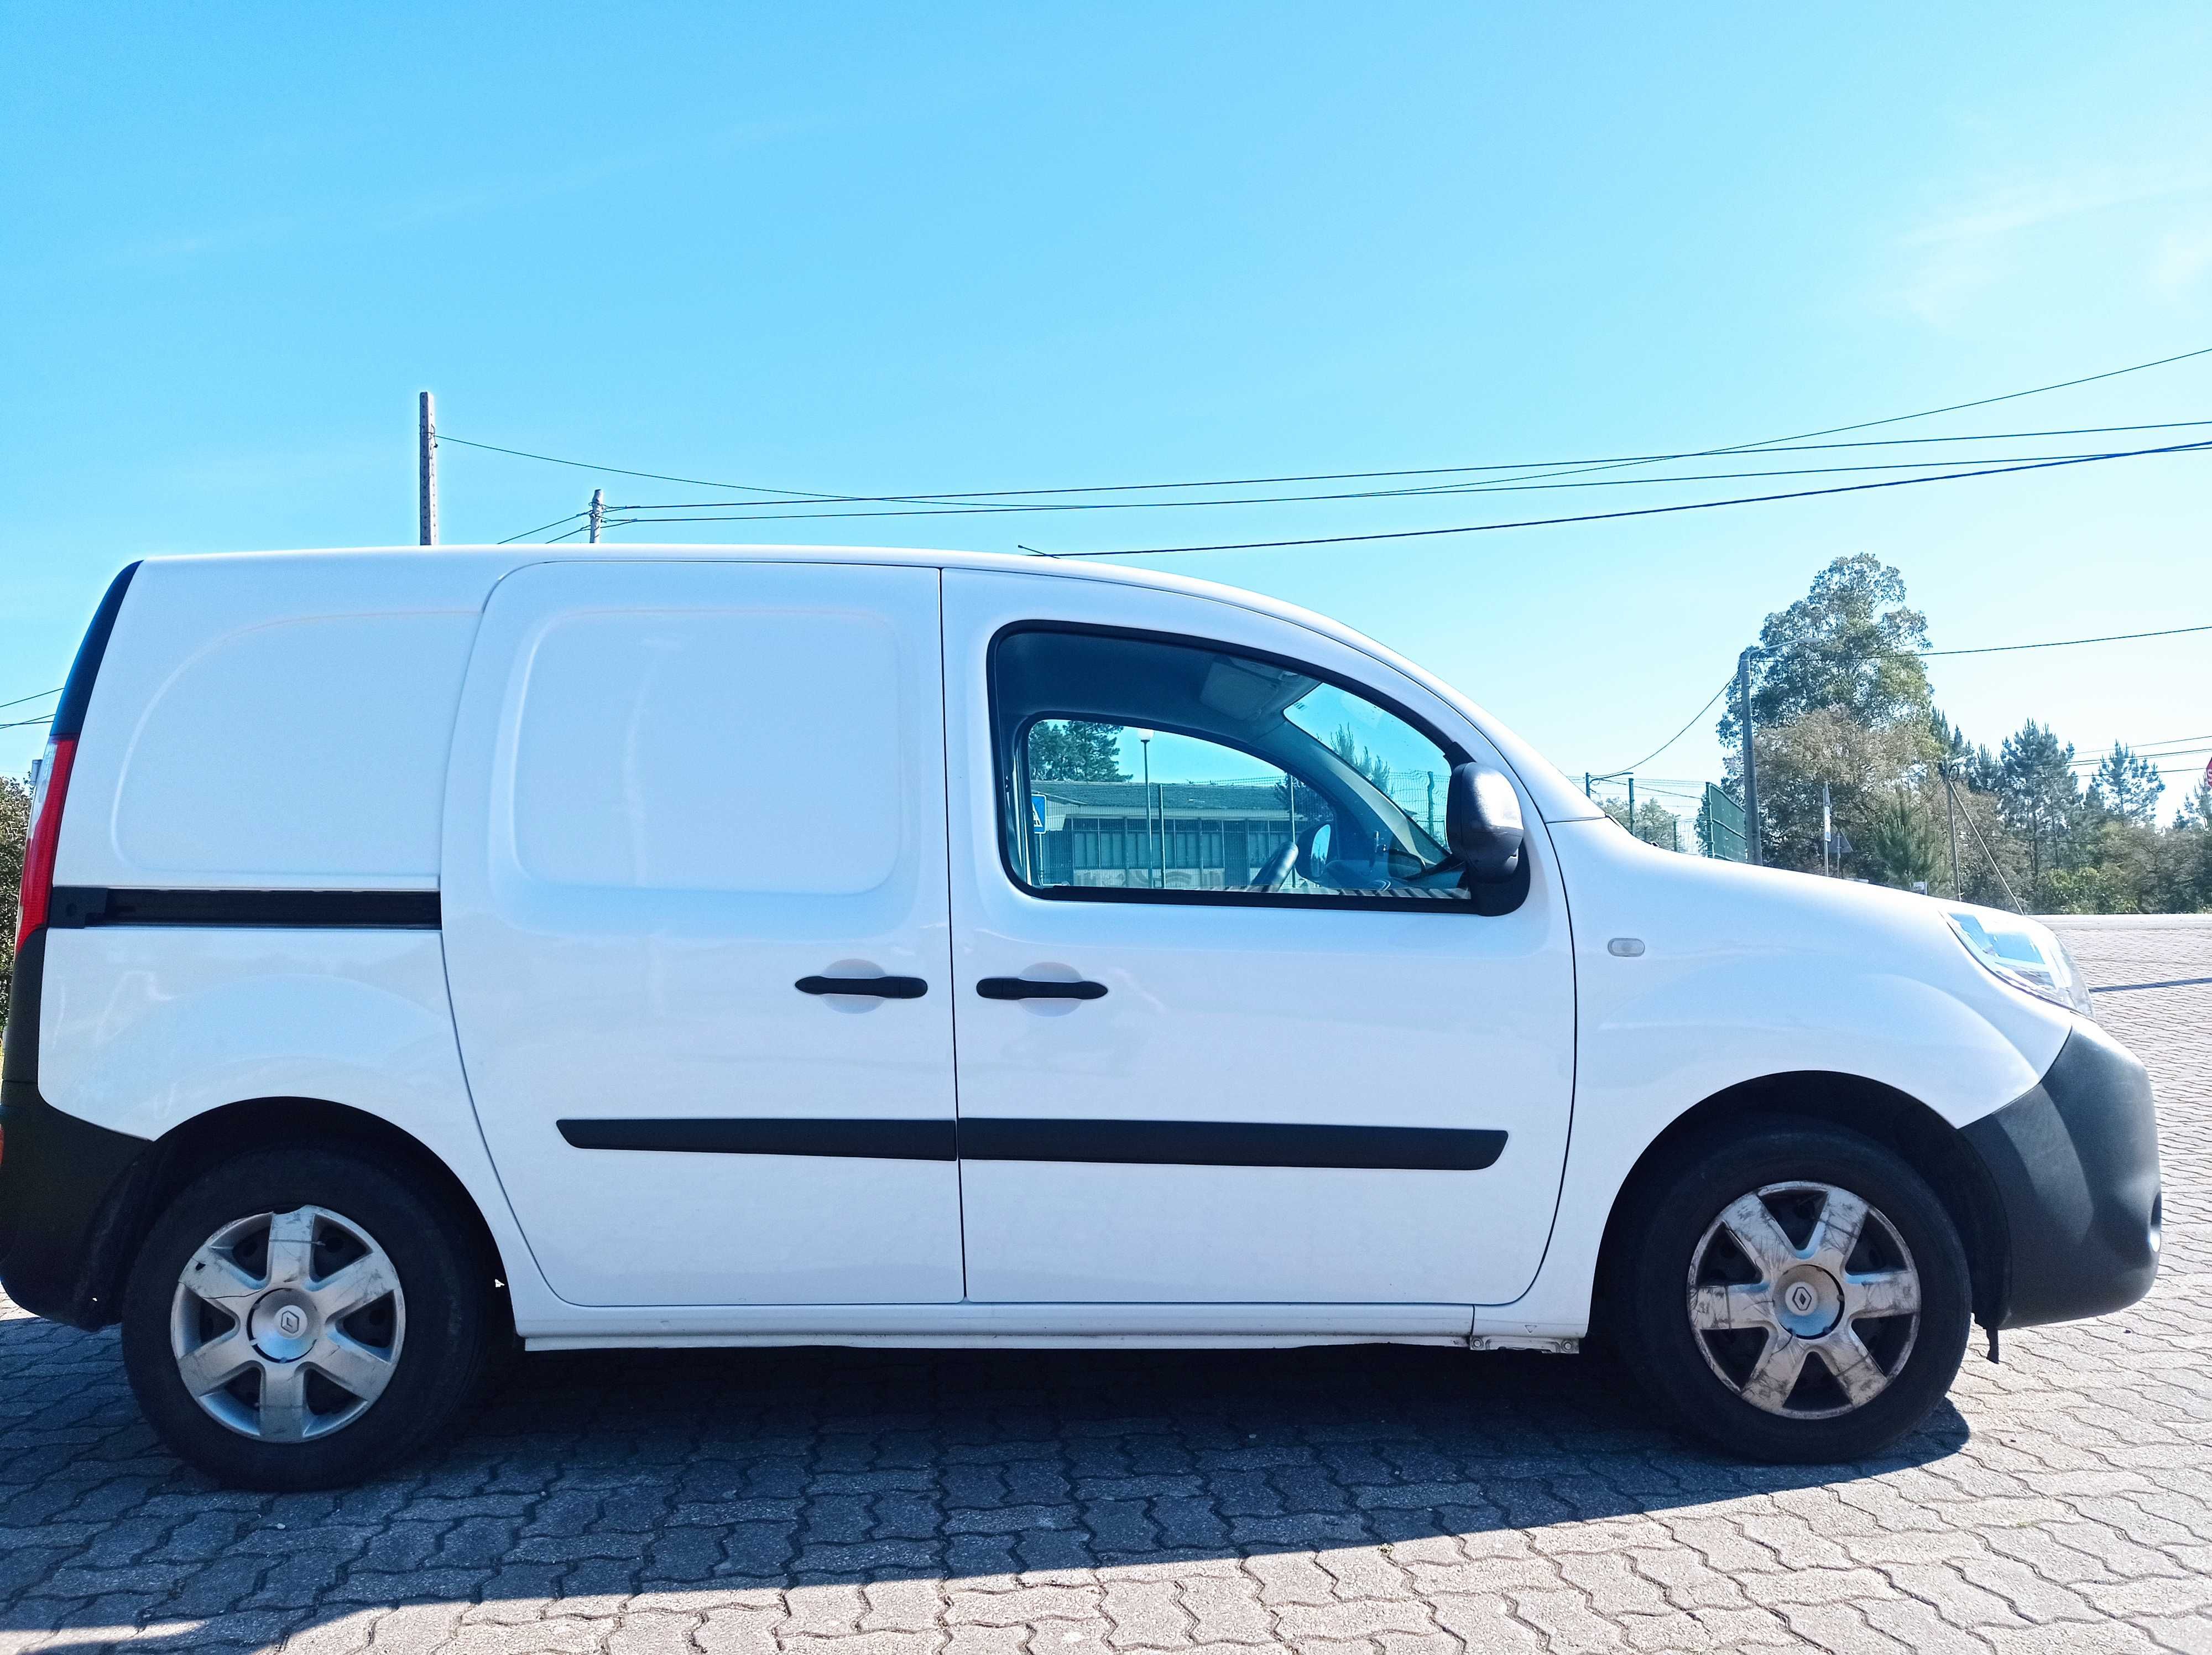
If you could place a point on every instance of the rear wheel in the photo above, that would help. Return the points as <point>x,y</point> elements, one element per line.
<point>300,1318</point>
<point>1797,1293</point>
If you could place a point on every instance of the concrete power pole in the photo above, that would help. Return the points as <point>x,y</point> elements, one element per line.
<point>598,513</point>
<point>1750,763</point>
<point>426,472</point>
<point>1951,813</point>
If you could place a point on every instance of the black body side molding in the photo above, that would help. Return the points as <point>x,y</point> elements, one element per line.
<point>78,906</point>
<point>1232,1143</point>
<point>889,1141</point>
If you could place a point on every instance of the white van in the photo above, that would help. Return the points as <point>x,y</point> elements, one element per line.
<point>423,949</point>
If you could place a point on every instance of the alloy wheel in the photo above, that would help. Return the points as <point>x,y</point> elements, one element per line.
<point>1804,1300</point>
<point>287,1326</point>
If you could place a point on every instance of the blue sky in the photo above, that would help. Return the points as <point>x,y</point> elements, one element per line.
<point>900,249</point>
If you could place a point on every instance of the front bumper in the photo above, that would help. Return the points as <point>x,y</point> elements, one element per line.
<point>2075,1161</point>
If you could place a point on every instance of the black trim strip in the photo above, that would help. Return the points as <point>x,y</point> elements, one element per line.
<point>1232,1143</point>
<point>77,688</point>
<point>889,1141</point>
<point>1128,1143</point>
<point>77,906</point>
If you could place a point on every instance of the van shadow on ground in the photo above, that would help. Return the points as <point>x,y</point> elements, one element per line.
<point>599,1474</point>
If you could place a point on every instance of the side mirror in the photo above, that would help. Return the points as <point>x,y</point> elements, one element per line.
<point>1482,823</point>
<point>1316,850</point>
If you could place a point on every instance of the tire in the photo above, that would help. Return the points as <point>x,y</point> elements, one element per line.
<point>277,1245</point>
<point>1723,1311</point>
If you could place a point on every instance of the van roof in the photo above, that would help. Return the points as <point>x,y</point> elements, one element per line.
<point>445,566</point>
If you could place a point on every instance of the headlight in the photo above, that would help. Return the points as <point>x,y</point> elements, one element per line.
<point>2024,954</point>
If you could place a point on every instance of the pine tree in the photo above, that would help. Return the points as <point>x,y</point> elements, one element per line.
<point>2040,796</point>
<point>2126,785</point>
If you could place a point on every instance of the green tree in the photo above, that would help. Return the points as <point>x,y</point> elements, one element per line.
<point>1974,763</point>
<point>1654,824</point>
<point>1862,767</point>
<point>1070,750</point>
<point>15,830</point>
<point>1849,644</point>
<point>1902,846</point>
<point>2040,796</point>
<point>1361,758</point>
<point>2126,785</point>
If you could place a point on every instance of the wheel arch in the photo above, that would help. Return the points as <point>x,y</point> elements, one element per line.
<point>1928,1143</point>
<point>191,1146</point>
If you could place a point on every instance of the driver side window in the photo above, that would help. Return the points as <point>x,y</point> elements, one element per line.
<point>1135,767</point>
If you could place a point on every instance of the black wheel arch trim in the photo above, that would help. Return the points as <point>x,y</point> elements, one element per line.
<point>76,1199</point>
<point>1938,1150</point>
<point>72,1196</point>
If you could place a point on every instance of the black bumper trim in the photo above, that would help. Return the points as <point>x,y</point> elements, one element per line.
<point>2075,1161</point>
<point>69,1192</point>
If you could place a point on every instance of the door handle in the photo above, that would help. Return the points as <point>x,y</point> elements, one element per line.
<point>1022,987</point>
<point>882,988</point>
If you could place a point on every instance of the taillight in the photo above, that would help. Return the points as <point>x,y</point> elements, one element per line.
<point>47,795</point>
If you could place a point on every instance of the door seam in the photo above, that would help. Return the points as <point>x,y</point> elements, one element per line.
<point>951,943</point>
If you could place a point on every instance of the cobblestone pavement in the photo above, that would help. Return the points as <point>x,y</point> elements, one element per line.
<point>1387,1500</point>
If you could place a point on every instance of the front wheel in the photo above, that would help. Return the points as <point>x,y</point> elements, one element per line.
<point>1797,1293</point>
<point>300,1318</point>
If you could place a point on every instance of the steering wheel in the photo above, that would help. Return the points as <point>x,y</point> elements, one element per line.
<point>1277,868</point>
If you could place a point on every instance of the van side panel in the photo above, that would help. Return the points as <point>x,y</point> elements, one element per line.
<point>143,1028</point>
<point>263,725</point>
<point>271,722</point>
<point>1748,973</point>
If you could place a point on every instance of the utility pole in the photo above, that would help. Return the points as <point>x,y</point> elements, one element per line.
<point>598,513</point>
<point>1951,812</point>
<point>1750,763</point>
<point>1144,740</point>
<point>426,471</point>
<point>1631,806</point>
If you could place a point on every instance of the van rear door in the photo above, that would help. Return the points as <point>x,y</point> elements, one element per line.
<point>695,925</point>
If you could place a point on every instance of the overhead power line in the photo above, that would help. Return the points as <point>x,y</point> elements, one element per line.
<point>696,511</point>
<point>540,529</point>
<point>619,471</point>
<point>1638,511</point>
<point>2168,747</point>
<point>1535,468</point>
<point>41,695</point>
<point>1773,443</point>
<point>2062,644</point>
<point>1726,684</point>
